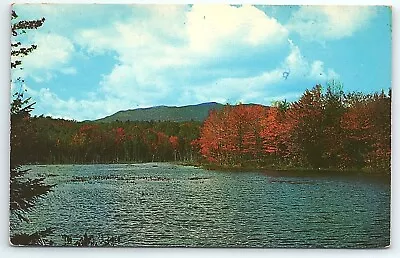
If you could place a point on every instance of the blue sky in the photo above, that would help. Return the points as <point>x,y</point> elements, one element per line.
<point>95,60</point>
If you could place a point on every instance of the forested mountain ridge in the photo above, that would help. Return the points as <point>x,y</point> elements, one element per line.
<point>197,112</point>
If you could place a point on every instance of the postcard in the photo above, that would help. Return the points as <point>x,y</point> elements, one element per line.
<point>203,125</point>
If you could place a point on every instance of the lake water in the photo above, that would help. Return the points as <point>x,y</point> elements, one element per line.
<point>161,204</point>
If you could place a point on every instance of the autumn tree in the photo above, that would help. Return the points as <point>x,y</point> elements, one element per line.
<point>356,126</point>
<point>232,135</point>
<point>366,126</point>
<point>306,117</point>
<point>174,141</point>
<point>275,134</point>
<point>380,155</point>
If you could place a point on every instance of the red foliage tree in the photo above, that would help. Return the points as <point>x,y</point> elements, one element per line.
<point>231,136</point>
<point>275,132</point>
<point>174,141</point>
<point>366,131</point>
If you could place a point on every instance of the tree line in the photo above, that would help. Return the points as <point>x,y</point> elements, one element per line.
<point>58,141</point>
<point>326,129</point>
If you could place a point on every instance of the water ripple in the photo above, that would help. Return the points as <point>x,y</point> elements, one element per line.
<point>159,204</point>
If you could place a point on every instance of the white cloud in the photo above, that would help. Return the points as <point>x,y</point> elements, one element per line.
<point>295,63</point>
<point>255,88</point>
<point>176,38</point>
<point>53,54</point>
<point>201,28</point>
<point>319,23</point>
<point>52,51</point>
<point>69,70</point>
<point>51,103</point>
<point>317,72</point>
<point>56,116</point>
<point>143,89</point>
<point>211,27</point>
<point>299,67</point>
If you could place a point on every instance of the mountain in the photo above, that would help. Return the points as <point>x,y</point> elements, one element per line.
<point>164,113</point>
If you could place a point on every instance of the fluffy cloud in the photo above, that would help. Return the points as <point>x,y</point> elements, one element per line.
<point>157,56</point>
<point>198,29</point>
<point>71,108</point>
<point>53,50</point>
<point>299,67</point>
<point>317,72</point>
<point>321,23</point>
<point>53,54</point>
<point>211,27</point>
<point>255,88</point>
<point>141,90</point>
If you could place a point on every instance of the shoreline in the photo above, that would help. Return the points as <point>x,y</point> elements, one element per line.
<point>272,171</point>
<point>295,171</point>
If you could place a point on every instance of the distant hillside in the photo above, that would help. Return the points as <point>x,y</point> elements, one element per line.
<point>163,113</point>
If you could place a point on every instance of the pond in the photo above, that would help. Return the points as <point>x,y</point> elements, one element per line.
<point>168,205</point>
